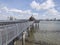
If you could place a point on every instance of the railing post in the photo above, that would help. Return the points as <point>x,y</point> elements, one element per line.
<point>23,38</point>
<point>29,28</point>
<point>28,31</point>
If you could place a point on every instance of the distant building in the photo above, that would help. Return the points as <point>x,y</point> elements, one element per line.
<point>32,18</point>
<point>11,18</point>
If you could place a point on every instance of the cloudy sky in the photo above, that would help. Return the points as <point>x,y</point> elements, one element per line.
<point>23,9</point>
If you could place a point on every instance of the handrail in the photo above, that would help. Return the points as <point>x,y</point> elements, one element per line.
<point>10,31</point>
<point>12,22</point>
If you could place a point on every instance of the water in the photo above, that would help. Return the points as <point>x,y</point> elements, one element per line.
<point>49,32</point>
<point>45,33</point>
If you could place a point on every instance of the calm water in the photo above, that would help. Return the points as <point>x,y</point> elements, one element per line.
<point>44,33</point>
<point>48,31</point>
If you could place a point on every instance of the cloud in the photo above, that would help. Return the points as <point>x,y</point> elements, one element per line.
<point>0,11</point>
<point>21,11</point>
<point>5,9</point>
<point>16,13</point>
<point>49,6</point>
<point>46,5</point>
<point>3,17</point>
<point>36,15</point>
<point>35,5</point>
<point>27,12</point>
<point>16,10</point>
<point>53,11</point>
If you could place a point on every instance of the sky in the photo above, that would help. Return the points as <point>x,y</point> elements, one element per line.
<point>23,9</point>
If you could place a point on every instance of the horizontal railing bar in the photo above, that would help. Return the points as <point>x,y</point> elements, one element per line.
<point>12,22</point>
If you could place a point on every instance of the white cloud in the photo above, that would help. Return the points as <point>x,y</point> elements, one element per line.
<point>3,17</point>
<point>46,5</point>
<point>28,12</point>
<point>53,11</point>
<point>0,11</point>
<point>49,6</point>
<point>17,11</point>
<point>35,5</point>
<point>36,15</point>
<point>5,11</point>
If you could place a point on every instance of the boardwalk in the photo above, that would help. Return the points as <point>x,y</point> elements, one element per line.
<point>9,30</point>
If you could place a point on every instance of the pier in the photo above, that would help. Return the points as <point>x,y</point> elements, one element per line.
<point>13,30</point>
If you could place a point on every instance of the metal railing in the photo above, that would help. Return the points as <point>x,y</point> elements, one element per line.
<point>10,30</point>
